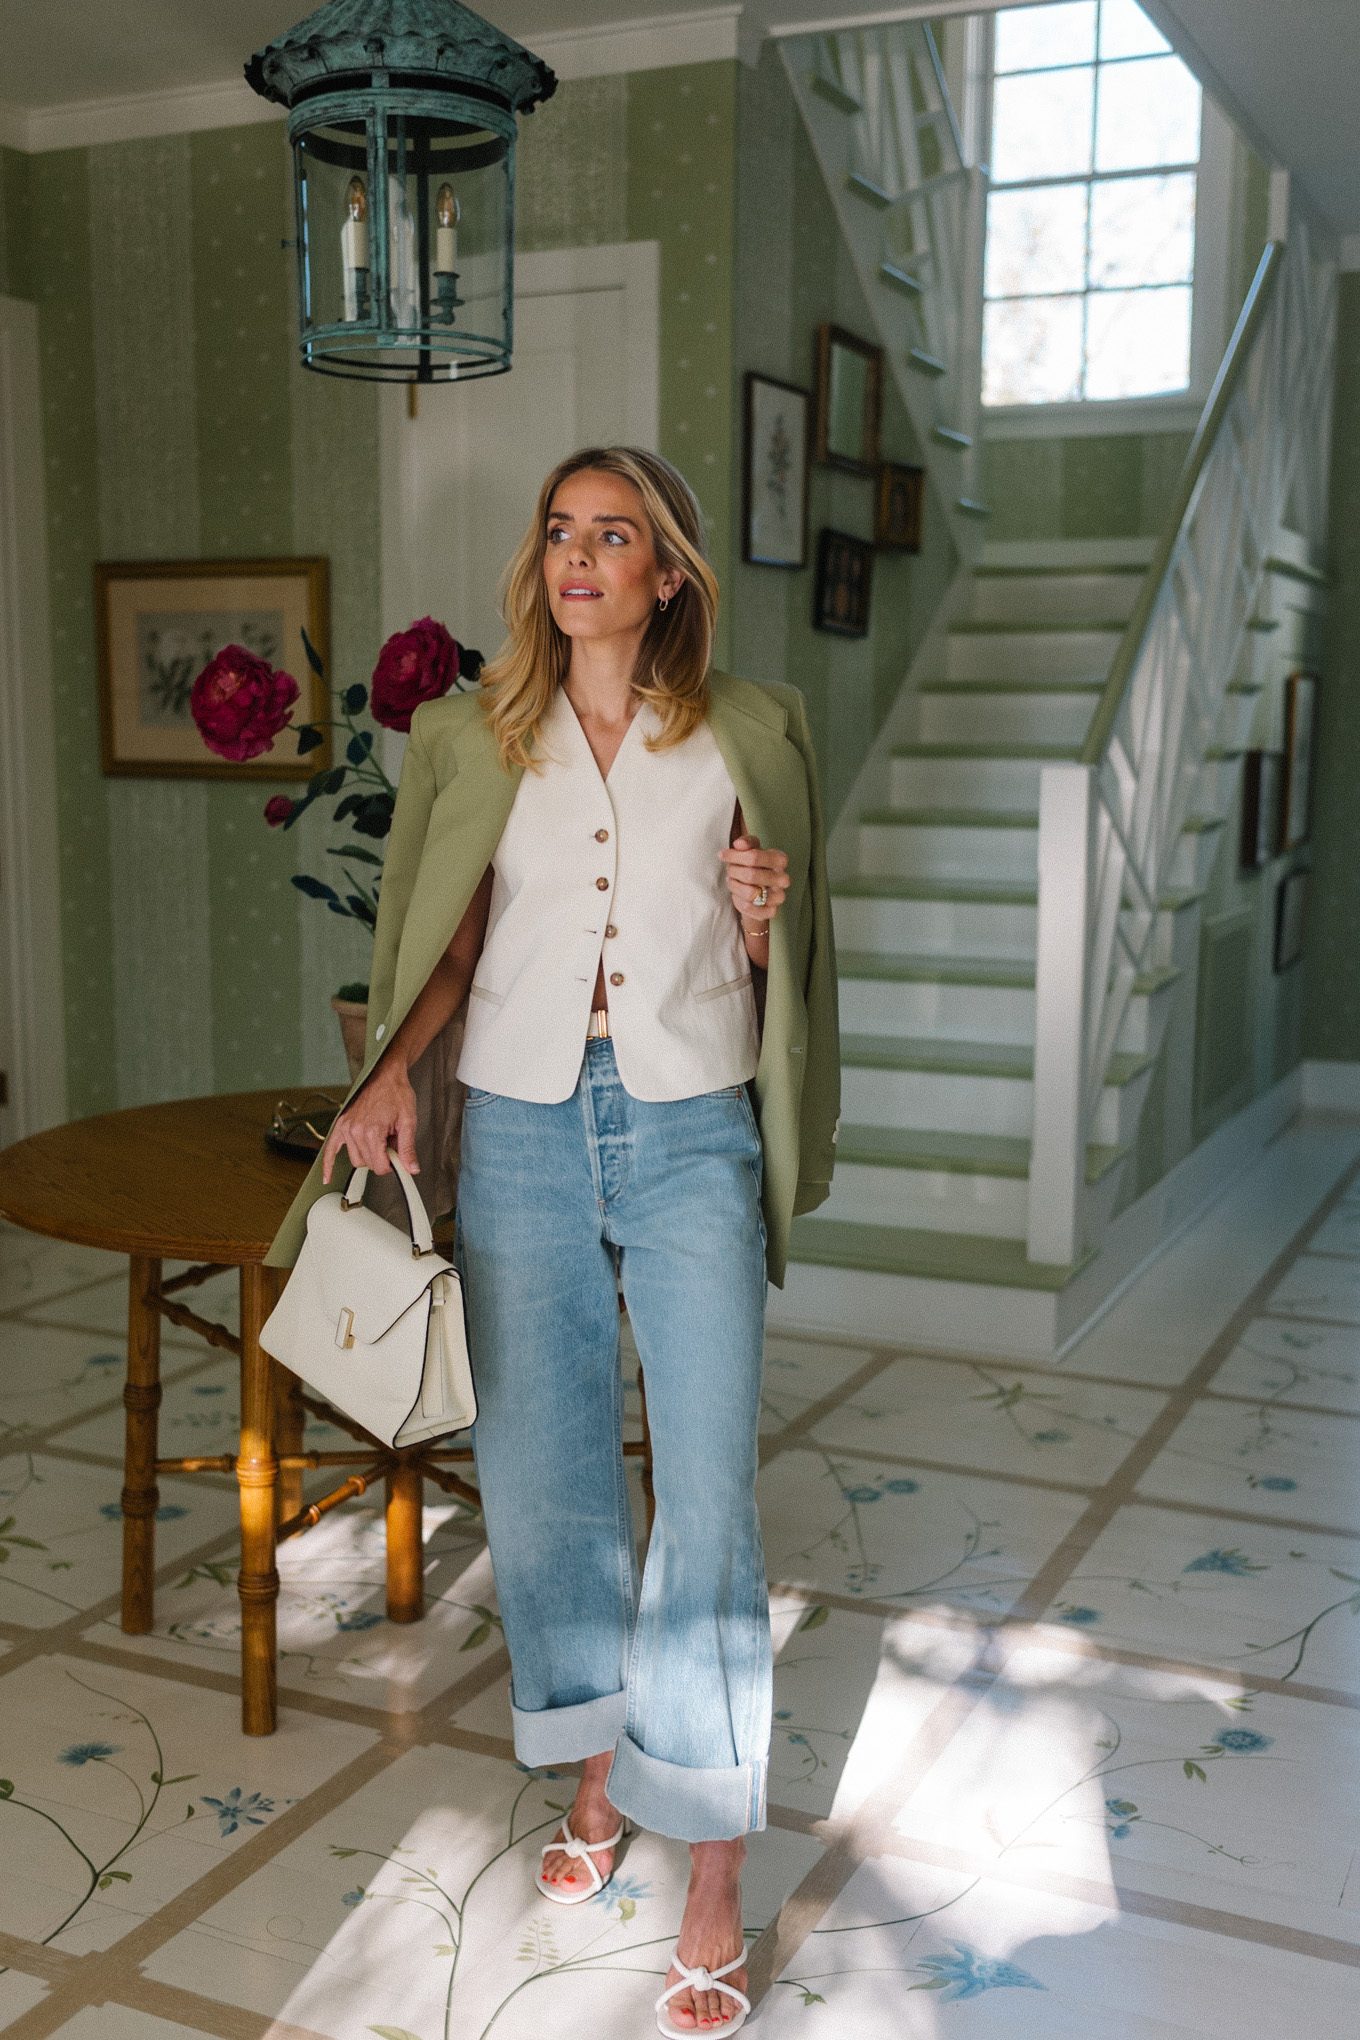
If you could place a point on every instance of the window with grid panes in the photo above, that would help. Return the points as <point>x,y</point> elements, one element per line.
<point>1091,212</point>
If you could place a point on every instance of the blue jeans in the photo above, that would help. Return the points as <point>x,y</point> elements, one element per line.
<point>557,1206</point>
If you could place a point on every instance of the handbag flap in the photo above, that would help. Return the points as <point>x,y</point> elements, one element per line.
<point>365,1266</point>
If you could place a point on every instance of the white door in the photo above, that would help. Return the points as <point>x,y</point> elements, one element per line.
<point>462,477</point>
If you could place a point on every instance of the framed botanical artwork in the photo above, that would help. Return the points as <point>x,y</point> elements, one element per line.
<point>774,523</point>
<point>849,400</point>
<point>1262,795</point>
<point>1300,713</point>
<point>901,499</point>
<point>159,622</point>
<point>845,568</point>
<point>1291,908</point>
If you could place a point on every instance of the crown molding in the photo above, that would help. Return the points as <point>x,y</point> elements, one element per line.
<point>652,42</point>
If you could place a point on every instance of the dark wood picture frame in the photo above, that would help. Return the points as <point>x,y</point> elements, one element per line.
<point>900,507</point>
<point>1262,807</point>
<point>1291,912</point>
<point>1300,725</point>
<point>843,585</point>
<point>848,385</point>
<point>776,429</point>
<point>159,622</point>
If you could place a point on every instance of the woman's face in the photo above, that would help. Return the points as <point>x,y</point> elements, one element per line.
<point>599,559</point>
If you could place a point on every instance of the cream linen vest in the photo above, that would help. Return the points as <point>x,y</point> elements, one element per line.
<point>626,867</point>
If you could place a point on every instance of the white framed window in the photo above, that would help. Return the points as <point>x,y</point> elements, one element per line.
<point>1107,218</point>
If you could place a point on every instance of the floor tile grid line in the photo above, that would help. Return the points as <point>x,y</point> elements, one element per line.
<point>1149,1905</point>
<point>1008,1476</point>
<point>776,1442</point>
<point>41,1435</point>
<point>31,1958</point>
<point>1334,1254</point>
<point>1305,1317</point>
<point>869,1826</point>
<point>1269,1402</point>
<point>31,1303</point>
<point>951,1356</point>
<point>1304,1525</point>
<point>115,1972</point>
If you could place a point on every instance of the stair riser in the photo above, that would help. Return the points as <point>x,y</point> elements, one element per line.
<point>940,1102</point>
<point>946,1012</point>
<point>1145,1021</point>
<point>965,782</point>
<point>903,850</point>
<point>1005,717</point>
<point>1022,654</point>
<point>942,1200</point>
<point>942,927</point>
<point>1059,598</point>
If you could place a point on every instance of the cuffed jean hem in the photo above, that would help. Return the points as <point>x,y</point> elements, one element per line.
<point>564,1735</point>
<point>685,1801</point>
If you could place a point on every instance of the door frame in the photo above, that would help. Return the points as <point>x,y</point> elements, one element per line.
<point>31,982</point>
<point>634,267</point>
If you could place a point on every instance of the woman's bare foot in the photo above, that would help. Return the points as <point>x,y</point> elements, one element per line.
<point>592,1819</point>
<point>710,1934</point>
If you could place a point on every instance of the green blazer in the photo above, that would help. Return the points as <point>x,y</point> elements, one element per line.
<point>452,804</point>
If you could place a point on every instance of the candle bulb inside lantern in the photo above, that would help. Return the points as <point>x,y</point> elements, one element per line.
<point>447,212</point>
<point>354,249</point>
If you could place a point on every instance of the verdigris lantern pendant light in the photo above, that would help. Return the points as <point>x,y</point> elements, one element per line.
<point>402,120</point>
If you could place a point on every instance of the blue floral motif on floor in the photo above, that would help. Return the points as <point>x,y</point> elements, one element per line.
<point>168,1512</point>
<point>82,1753</point>
<point>236,1809</point>
<point>1231,1561</point>
<point>966,1974</point>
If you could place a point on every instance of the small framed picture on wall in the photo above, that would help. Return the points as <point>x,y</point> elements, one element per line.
<point>1262,794</point>
<point>845,566</point>
<point>1291,909</point>
<point>849,400</point>
<point>775,473</point>
<point>901,498</point>
<point>1300,712</point>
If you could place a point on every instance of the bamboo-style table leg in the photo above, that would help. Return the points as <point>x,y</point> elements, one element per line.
<point>289,1419</point>
<point>257,1472</point>
<point>405,1547</point>
<point>141,1399</point>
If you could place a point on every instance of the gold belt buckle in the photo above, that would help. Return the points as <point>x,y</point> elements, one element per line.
<point>598,1029</point>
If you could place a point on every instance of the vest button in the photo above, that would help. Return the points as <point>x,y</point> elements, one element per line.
<point>602,885</point>
<point>611,929</point>
<point>616,977</point>
<point>602,835</point>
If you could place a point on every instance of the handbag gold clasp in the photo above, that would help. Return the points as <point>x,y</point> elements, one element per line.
<point>344,1329</point>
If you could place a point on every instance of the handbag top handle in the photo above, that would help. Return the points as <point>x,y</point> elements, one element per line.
<point>422,1233</point>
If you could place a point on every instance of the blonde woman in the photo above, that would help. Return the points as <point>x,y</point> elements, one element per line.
<point>611,858</point>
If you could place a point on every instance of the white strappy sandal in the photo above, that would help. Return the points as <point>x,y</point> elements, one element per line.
<point>572,1845</point>
<point>703,1979</point>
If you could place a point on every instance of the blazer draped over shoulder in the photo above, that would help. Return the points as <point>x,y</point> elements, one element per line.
<point>452,804</point>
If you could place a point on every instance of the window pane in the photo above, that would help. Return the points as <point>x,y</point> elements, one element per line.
<point>1028,37</point>
<point>1125,31</point>
<point>1143,230</point>
<point>1148,113</point>
<point>1036,240</point>
<point>1138,342</point>
<point>1031,350</point>
<point>1042,125</point>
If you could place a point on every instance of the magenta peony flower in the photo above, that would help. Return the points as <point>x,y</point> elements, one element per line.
<point>240,703</point>
<point>278,810</point>
<point>415,665</point>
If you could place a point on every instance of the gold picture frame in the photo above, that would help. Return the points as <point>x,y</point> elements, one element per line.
<point>159,622</point>
<point>848,402</point>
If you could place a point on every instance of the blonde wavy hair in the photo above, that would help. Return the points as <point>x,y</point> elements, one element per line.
<point>677,647</point>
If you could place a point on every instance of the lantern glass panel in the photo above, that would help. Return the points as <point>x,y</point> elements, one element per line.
<point>334,226</point>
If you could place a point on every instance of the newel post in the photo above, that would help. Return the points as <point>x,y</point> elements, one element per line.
<point>1057,1169</point>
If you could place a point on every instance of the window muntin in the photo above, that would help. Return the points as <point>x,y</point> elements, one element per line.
<point>1091,213</point>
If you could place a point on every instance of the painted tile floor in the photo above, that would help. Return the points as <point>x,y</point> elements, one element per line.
<point>1067,1738</point>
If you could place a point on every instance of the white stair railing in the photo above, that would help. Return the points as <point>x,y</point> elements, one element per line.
<point>1108,826</point>
<point>904,160</point>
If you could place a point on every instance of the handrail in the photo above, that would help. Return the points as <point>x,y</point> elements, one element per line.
<point>1254,308</point>
<point>942,87</point>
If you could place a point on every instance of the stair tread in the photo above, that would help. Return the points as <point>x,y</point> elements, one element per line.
<point>1035,684</point>
<point>964,1058</point>
<point>1003,972</point>
<point>999,570</point>
<point>991,818</point>
<point>1026,626</point>
<point>909,1250</point>
<point>984,748</point>
<point>985,1154</point>
<point>981,891</point>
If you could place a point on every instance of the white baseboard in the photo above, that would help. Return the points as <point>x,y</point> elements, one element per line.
<point>1331,1086</point>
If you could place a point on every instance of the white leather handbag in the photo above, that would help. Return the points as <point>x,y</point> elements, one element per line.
<point>373,1320</point>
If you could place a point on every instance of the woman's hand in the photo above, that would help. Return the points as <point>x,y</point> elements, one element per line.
<point>751,870</point>
<point>382,1116</point>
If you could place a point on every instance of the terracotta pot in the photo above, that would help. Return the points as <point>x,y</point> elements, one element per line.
<point>353,1018</point>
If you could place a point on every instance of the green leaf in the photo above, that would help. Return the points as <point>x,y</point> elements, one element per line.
<point>936,1983</point>
<point>476,1637</point>
<point>60,1564</point>
<point>356,854</point>
<point>358,747</point>
<point>394,2033</point>
<point>28,1543</point>
<point>6,1788</point>
<point>1193,1770</point>
<point>354,698</point>
<point>313,656</point>
<point>813,1997</point>
<point>444,1948</point>
<point>309,737</point>
<point>123,1877</point>
<point>814,1618</point>
<point>627,1908</point>
<point>183,1777</point>
<point>336,1850</point>
<point>1348,1577</point>
<point>314,888</point>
